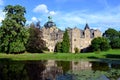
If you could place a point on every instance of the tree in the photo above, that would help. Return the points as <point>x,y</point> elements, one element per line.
<point>100,43</point>
<point>111,34</point>
<point>35,43</point>
<point>113,37</point>
<point>115,43</point>
<point>66,42</point>
<point>119,34</point>
<point>58,47</point>
<point>13,34</point>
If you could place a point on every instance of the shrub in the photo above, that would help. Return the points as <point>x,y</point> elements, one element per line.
<point>76,50</point>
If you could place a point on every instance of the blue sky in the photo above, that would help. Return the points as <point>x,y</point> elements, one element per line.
<point>99,14</point>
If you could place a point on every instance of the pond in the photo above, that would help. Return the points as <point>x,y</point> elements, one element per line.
<point>59,70</point>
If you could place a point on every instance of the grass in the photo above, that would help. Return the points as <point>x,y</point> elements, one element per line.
<point>111,54</point>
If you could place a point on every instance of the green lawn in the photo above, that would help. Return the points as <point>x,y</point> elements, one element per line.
<point>111,54</point>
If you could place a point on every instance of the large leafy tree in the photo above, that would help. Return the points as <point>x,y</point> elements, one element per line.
<point>13,34</point>
<point>115,43</point>
<point>113,37</point>
<point>100,43</point>
<point>66,42</point>
<point>111,34</point>
<point>35,42</point>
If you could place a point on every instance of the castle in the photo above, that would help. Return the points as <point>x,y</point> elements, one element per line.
<point>80,39</point>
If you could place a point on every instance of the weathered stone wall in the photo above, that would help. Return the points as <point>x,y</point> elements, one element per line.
<point>80,39</point>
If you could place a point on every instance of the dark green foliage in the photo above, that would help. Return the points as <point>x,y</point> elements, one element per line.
<point>58,47</point>
<point>113,74</point>
<point>64,64</point>
<point>113,37</point>
<point>11,70</point>
<point>65,42</point>
<point>111,34</point>
<point>119,33</point>
<point>76,50</point>
<point>115,43</point>
<point>87,75</point>
<point>100,43</point>
<point>13,34</point>
<point>35,43</point>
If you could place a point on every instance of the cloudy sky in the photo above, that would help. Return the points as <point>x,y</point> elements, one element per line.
<point>99,14</point>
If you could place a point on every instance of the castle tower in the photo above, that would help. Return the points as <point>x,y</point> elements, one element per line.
<point>97,33</point>
<point>75,39</point>
<point>87,31</point>
<point>51,34</point>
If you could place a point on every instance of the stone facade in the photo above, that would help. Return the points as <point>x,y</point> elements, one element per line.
<point>51,34</point>
<point>80,39</point>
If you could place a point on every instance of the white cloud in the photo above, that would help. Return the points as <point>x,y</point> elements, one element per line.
<point>34,19</point>
<point>52,13</point>
<point>42,8</point>
<point>1,2</point>
<point>101,20</point>
<point>2,15</point>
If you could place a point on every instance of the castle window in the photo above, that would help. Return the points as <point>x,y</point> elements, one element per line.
<point>51,49</point>
<point>74,39</point>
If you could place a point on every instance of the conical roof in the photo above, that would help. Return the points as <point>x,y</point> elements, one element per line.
<point>86,26</point>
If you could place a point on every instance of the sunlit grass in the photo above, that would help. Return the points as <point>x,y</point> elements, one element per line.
<point>61,56</point>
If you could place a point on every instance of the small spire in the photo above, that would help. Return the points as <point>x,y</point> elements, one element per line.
<point>86,26</point>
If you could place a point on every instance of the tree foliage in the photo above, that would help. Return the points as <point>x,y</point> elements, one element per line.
<point>111,34</point>
<point>66,42</point>
<point>13,34</point>
<point>35,42</point>
<point>114,38</point>
<point>100,43</point>
<point>58,47</point>
<point>115,43</point>
<point>76,50</point>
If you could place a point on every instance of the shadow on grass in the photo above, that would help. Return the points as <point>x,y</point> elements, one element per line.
<point>92,57</point>
<point>112,56</point>
<point>5,60</point>
<point>8,60</point>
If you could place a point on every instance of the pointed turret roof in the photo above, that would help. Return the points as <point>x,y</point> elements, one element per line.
<point>86,26</point>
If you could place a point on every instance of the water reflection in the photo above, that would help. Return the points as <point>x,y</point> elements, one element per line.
<point>52,70</point>
<point>57,70</point>
<point>12,71</point>
<point>81,65</point>
<point>34,69</point>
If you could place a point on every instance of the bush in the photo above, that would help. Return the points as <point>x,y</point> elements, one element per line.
<point>100,43</point>
<point>115,43</point>
<point>58,47</point>
<point>76,50</point>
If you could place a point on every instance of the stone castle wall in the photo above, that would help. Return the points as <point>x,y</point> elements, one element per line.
<point>80,39</point>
